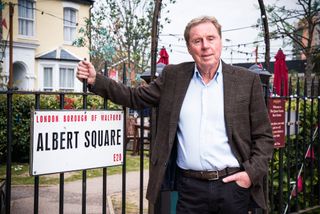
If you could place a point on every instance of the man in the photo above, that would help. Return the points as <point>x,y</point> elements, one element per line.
<point>212,126</point>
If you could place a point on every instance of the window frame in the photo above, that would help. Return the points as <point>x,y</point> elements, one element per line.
<point>71,25</point>
<point>66,87</point>
<point>44,87</point>
<point>26,19</point>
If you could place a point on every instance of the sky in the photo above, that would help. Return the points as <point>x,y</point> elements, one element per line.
<point>232,15</point>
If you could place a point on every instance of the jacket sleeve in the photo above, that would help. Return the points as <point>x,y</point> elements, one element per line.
<point>261,135</point>
<point>136,98</point>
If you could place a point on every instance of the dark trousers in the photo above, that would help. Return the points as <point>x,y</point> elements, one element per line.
<point>211,197</point>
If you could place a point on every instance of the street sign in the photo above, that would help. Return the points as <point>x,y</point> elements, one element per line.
<point>66,140</point>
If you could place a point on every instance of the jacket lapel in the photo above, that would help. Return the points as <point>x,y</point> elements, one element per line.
<point>183,77</point>
<point>230,93</point>
<point>229,82</point>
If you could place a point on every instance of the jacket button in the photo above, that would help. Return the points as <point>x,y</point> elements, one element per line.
<point>165,164</point>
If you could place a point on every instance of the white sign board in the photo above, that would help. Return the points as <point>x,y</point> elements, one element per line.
<point>66,140</point>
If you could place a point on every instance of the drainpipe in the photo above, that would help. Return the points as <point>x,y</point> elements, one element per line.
<point>11,11</point>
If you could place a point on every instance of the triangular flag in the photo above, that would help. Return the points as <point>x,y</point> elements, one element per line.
<point>300,187</point>
<point>4,23</point>
<point>310,153</point>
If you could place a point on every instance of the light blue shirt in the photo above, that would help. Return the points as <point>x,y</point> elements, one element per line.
<point>203,142</point>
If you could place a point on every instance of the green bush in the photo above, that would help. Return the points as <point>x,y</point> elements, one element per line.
<point>20,126</point>
<point>22,107</point>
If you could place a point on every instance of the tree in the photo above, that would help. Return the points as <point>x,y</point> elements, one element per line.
<point>266,33</point>
<point>95,36</point>
<point>300,35</point>
<point>121,30</point>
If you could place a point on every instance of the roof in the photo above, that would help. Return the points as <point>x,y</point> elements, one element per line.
<point>58,54</point>
<point>83,1</point>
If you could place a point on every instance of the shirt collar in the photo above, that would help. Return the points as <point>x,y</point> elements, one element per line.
<point>217,77</point>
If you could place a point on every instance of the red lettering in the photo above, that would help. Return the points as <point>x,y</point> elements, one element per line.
<point>110,117</point>
<point>47,118</point>
<point>75,118</point>
<point>117,157</point>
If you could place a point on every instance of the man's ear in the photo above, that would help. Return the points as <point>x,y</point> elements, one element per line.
<point>188,49</point>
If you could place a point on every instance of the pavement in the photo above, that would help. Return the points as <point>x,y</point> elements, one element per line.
<point>22,200</point>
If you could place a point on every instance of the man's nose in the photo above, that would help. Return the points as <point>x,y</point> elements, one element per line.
<point>205,44</point>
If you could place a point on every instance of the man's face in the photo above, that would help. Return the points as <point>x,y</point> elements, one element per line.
<point>205,46</point>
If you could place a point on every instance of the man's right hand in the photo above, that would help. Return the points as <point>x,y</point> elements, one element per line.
<point>86,71</point>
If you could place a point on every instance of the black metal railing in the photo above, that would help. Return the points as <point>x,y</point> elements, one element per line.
<point>293,181</point>
<point>9,142</point>
<point>294,169</point>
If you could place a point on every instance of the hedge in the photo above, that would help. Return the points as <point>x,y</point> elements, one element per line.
<point>22,106</point>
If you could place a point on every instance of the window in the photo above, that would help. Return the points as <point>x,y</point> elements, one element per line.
<point>70,24</point>
<point>66,77</point>
<point>47,79</point>
<point>26,17</point>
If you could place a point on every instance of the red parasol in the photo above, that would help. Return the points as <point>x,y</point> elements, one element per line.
<point>280,81</point>
<point>164,56</point>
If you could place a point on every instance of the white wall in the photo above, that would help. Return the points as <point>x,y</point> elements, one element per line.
<point>55,64</point>
<point>23,53</point>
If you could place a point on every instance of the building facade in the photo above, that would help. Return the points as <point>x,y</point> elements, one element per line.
<point>43,32</point>
<point>303,36</point>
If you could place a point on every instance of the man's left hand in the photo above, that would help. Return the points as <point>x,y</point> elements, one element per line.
<point>241,178</point>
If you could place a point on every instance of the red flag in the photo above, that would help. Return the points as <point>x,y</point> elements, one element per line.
<point>300,187</point>
<point>310,153</point>
<point>4,23</point>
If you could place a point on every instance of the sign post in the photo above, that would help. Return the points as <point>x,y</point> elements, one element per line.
<point>277,119</point>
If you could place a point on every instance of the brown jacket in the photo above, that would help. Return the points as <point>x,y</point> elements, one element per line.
<point>247,123</point>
